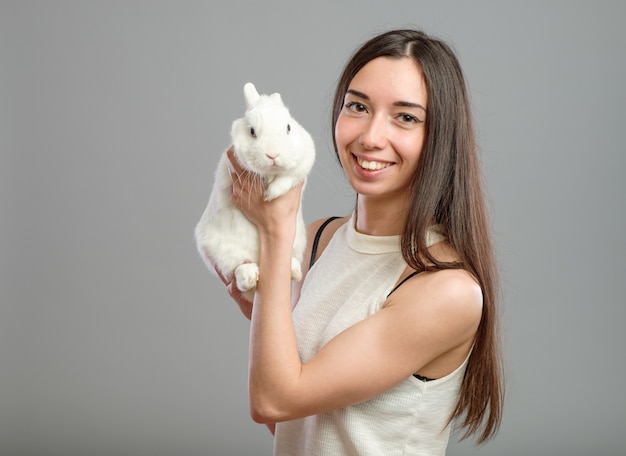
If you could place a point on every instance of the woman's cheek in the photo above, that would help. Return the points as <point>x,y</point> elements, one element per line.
<point>346,131</point>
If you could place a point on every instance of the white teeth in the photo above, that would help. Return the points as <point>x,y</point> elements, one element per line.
<point>371,165</point>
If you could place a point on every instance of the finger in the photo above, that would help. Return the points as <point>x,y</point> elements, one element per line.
<point>299,187</point>
<point>236,293</point>
<point>214,267</point>
<point>244,304</point>
<point>233,162</point>
<point>238,174</point>
<point>246,308</point>
<point>221,276</point>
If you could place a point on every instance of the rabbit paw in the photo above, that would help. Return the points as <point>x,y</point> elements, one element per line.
<point>279,186</point>
<point>247,276</point>
<point>296,270</point>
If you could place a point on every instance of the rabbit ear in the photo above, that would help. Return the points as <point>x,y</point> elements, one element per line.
<point>250,93</point>
<point>276,96</point>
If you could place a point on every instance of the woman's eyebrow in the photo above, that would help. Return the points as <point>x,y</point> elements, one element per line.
<point>356,93</point>
<point>406,104</point>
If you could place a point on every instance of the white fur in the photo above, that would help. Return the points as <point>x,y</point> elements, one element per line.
<point>281,159</point>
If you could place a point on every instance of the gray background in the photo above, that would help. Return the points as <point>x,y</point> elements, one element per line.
<point>114,338</point>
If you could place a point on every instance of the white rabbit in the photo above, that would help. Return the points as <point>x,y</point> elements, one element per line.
<point>271,144</point>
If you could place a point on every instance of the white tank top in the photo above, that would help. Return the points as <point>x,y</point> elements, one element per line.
<point>349,282</point>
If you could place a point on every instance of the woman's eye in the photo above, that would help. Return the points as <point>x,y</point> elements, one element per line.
<point>408,118</point>
<point>355,106</point>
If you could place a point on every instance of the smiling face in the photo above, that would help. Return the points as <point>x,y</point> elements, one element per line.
<point>381,128</point>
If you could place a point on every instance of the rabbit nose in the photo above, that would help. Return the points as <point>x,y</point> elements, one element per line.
<point>272,156</point>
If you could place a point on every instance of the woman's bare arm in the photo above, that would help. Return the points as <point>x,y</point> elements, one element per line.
<point>429,322</point>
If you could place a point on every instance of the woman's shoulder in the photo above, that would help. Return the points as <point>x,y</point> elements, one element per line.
<point>451,295</point>
<point>455,283</point>
<point>330,224</point>
<point>439,311</point>
<point>323,229</point>
<point>319,233</point>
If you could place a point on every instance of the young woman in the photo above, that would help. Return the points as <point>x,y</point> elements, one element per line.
<point>392,333</point>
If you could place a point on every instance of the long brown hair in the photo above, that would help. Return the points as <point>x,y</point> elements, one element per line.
<point>447,187</point>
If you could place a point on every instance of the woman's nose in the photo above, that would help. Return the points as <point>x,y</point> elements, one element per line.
<point>374,136</point>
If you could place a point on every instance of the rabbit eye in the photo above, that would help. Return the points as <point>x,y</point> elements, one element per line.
<point>252,132</point>
<point>288,128</point>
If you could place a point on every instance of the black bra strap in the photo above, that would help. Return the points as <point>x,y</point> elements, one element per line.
<point>413,274</point>
<point>316,240</point>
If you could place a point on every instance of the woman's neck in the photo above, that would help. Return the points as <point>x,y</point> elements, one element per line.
<point>377,217</point>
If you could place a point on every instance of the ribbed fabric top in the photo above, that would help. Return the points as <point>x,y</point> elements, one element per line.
<point>364,243</point>
<point>349,282</point>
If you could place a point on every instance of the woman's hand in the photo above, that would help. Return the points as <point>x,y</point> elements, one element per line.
<point>244,305</point>
<point>270,217</point>
<point>235,293</point>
